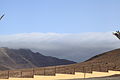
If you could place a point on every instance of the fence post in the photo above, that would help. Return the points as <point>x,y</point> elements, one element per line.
<point>91,68</point>
<point>21,73</point>
<point>84,72</point>
<point>33,72</point>
<point>107,67</point>
<point>44,71</point>
<point>8,74</point>
<point>55,70</point>
<point>115,66</point>
<point>74,69</point>
<point>99,67</point>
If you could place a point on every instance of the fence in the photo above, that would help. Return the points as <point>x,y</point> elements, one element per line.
<point>51,71</point>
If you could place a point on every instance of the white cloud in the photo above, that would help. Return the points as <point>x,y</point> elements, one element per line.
<point>76,47</point>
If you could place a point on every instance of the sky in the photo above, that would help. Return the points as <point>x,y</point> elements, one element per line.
<point>59,16</point>
<point>69,29</point>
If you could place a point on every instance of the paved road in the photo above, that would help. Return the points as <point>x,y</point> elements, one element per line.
<point>108,78</point>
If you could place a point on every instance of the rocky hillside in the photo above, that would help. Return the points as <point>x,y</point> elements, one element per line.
<point>25,58</point>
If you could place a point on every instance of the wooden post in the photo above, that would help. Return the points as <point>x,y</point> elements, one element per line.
<point>44,71</point>
<point>84,72</point>
<point>99,67</point>
<point>107,67</point>
<point>55,70</point>
<point>8,74</point>
<point>21,73</point>
<point>91,68</point>
<point>115,66</point>
<point>33,73</point>
<point>74,69</point>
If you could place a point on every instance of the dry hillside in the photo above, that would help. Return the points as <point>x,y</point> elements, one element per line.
<point>25,58</point>
<point>102,62</point>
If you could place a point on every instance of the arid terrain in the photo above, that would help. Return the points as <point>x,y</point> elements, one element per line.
<point>102,66</point>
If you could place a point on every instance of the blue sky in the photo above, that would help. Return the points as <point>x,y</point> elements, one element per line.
<point>59,16</point>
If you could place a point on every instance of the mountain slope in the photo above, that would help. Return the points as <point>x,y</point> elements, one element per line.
<point>106,61</point>
<point>110,56</point>
<point>25,58</point>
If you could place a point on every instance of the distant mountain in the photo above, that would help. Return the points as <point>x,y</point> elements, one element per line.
<point>25,58</point>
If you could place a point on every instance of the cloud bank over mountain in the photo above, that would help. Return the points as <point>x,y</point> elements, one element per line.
<point>76,47</point>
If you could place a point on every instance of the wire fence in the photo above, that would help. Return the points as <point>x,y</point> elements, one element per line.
<point>51,71</point>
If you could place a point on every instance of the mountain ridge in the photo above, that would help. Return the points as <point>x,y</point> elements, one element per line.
<point>106,55</point>
<point>25,58</point>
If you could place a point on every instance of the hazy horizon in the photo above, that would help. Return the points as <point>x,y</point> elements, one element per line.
<point>75,47</point>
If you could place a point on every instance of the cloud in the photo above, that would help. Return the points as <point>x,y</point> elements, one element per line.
<point>76,47</point>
